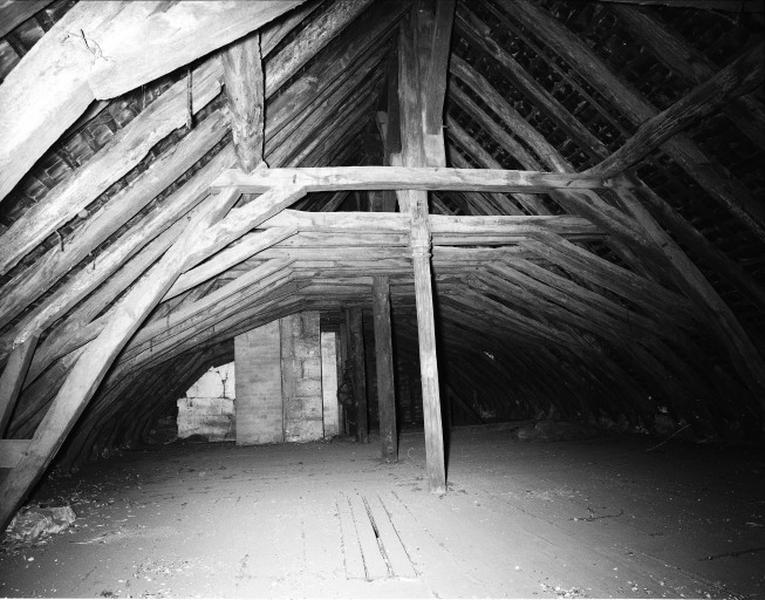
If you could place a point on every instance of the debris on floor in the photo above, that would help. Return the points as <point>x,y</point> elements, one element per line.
<point>34,523</point>
<point>553,431</point>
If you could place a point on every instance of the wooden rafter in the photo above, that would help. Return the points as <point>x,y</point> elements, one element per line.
<point>12,378</point>
<point>704,170</point>
<point>90,369</point>
<point>741,76</point>
<point>668,47</point>
<point>101,51</point>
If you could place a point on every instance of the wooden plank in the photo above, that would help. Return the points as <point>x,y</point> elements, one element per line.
<point>249,246</point>
<point>90,369</point>
<point>241,220</point>
<point>12,378</point>
<point>317,179</point>
<point>386,390</point>
<point>340,222</point>
<point>374,564</point>
<point>245,93</point>
<point>12,452</point>
<point>359,377</point>
<point>352,557</point>
<point>434,86</point>
<point>741,76</point>
<point>172,36</point>
<point>396,555</point>
<point>32,118</point>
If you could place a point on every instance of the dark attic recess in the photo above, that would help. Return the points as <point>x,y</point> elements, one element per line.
<point>554,212</point>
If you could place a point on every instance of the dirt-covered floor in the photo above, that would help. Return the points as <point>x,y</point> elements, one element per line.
<point>594,518</point>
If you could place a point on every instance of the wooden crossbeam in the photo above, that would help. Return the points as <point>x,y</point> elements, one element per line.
<point>741,76</point>
<point>317,179</point>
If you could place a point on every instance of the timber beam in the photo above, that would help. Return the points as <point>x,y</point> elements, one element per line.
<point>319,179</point>
<point>743,75</point>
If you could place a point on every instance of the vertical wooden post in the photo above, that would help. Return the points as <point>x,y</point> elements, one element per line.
<point>342,370</point>
<point>356,351</point>
<point>423,56</point>
<point>13,378</point>
<point>426,335</point>
<point>386,391</point>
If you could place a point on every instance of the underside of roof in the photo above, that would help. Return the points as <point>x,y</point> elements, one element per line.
<point>643,295</point>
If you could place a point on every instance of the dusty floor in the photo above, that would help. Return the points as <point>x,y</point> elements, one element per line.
<point>594,518</point>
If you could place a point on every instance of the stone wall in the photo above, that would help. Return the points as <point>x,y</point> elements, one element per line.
<point>259,386</point>
<point>280,386</point>
<point>208,407</point>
